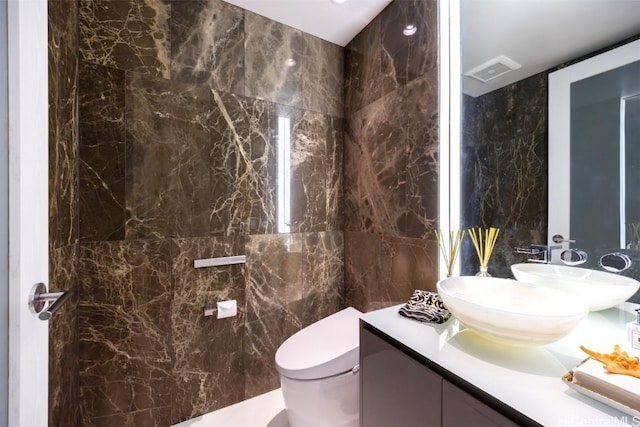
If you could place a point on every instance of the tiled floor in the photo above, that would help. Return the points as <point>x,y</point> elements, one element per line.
<point>266,410</point>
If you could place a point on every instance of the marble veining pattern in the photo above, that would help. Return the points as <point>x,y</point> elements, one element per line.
<point>375,167</point>
<point>273,61</point>
<point>124,327</point>
<point>292,281</point>
<point>63,124</point>
<point>421,115</point>
<point>207,44</point>
<point>102,153</point>
<point>391,157</point>
<point>208,369</point>
<point>404,58</point>
<point>334,165</point>
<point>505,155</point>
<point>308,146</point>
<point>384,270</point>
<point>63,339</point>
<point>180,106</point>
<point>127,34</point>
<point>63,380</point>
<point>363,68</point>
<point>322,76</point>
<point>246,172</point>
<point>168,158</point>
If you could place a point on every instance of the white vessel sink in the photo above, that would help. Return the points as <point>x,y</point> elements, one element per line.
<point>509,311</point>
<point>599,290</point>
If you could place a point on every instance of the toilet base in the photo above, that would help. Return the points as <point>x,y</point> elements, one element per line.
<point>332,401</point>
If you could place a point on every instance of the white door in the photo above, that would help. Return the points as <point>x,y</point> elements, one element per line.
<point>28,209</point>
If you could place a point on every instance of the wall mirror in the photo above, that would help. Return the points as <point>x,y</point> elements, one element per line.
<point>594,139</point>
<point>504,43</point>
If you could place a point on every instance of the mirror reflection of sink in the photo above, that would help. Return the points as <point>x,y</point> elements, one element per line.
<point>509,311</point>
<point>598,289</point>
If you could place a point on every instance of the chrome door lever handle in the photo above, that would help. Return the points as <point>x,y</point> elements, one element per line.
<point>39,298</point>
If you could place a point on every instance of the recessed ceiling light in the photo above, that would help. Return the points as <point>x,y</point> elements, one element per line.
<point>409,30</point>
<point>338,1</point>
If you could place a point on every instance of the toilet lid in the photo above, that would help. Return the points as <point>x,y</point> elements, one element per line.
<point>326,348</point>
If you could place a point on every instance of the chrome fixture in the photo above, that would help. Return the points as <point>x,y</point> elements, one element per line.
<point>541,253</point>
<point>54,300</point>
<point>219,261</point>
<point>573,257</point>
<point>615,262</point>
<point>558,238</point>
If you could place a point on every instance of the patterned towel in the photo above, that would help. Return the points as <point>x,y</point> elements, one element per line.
<point>425,306</point>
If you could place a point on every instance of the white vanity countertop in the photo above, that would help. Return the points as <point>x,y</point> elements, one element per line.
<point>527,379</point>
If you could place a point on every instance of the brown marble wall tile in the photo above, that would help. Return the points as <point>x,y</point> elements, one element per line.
<point>125,330</point>
<point>363,68</point>
<point>169,157</point>
<point>63,209</point>
<point>381,59</point>
<point>207,44</point>
<point>391,157</point>
<point>274,305</point>
<point>307,170</point>
<point>322,76</point>
<point>244,171</point>
<point>263,336</point>
<point>127,34</point>
<point>322,276</point>
<point>208,370</point>
<point>504,156</point>
<point>292,281</point>
<point>375,167</point>
<point>335,175</point>
<point>63,124</point>
<point>274,276</point>
<point>63,340</point>
<point>421,113</point>
<point>199,161</point>
<point>405,58</point>
<point>391,146</point>
<point>381,271</point>
<point>269,46</point>
<point>102,153</point>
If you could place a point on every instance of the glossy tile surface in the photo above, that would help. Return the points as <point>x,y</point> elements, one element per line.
<point>64,233</point>
<point>196,141</point>
<point>102,153</point>
<point>207,44</point>
<point>504,156</point>
<point>391,157</point>
<point>273,61</point>
<point>126,34</point>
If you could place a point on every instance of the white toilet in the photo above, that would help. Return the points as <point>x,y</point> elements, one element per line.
<point>318,369</point>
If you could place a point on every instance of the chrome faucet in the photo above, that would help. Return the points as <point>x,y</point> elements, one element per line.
<point>541,253</point>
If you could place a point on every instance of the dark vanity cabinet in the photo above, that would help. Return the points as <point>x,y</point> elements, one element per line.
<point>398,389</point>
<point>395,389</point>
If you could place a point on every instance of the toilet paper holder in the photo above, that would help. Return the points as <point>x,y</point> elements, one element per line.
<point>221,309</point>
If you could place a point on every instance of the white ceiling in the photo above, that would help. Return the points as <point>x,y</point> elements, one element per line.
<point>337,23</point>
<point>537,34</point>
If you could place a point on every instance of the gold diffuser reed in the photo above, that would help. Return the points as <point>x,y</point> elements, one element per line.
<point>450,251</point>
<point>484,240</point>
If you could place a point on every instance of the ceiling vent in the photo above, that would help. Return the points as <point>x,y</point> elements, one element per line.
<point>493,68</point>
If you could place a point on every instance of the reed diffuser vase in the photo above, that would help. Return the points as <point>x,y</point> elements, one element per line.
<point>450,249</point>
<point>484,240</point>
